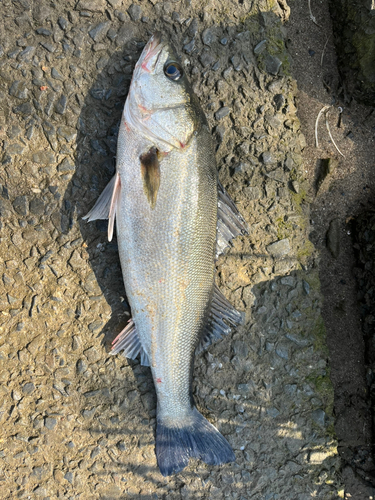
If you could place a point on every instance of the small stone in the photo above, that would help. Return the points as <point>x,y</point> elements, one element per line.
<point>50,422</point>
<point>208,37</point>
<point>92,5</point>
<point>273,412</point>
<point>18,89</point>
<point>37,206</point>
<point>69,477</point>
<point>189,47</point>
<point>121,446</point>
<point>333,238</point>
<point>295,186</point>
<point>44,32</point>
<point>60,106</point>
<point>193,28</point>
<point>99,32</point>
<point>135,12</point>
<point>5,208</point>
<point>96,325</point>
<point>28,388</point>
<point>44,157</point>
<point>23,109</point>
<point>63,23</point>
<point>76,261</point>
<point>56,75</point>
<point>273,64</point>
<point>267,158</point>
<point>222,112</point>
<point>92,354</point>
<point>282,350</point>
<point>319,417</point>
<point>237,63</point>
<point>66,166</point>
<point>48,46</point>
<point>88,414</point>
<point>279,101</point>
<point>252,192</point>
<point>259,48</point>
<point>27,54</point>
<point>14,149</point>
<point>279,248</point>
<point>68,133</point>
<point>206,59</point>
<point>224,41</point>
<point>306,287</point>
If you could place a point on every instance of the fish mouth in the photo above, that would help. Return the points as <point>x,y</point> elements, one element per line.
<point>152,49</point>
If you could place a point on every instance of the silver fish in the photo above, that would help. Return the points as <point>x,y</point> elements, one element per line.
<point>173,218</point>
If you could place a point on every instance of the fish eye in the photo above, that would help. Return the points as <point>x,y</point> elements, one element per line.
<point>173,71</point>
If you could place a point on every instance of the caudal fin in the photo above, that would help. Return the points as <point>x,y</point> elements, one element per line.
<point>177,441</point>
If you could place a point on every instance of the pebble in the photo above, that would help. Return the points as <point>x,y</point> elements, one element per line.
<point>135,12</point>
<point>44,32</point>
<point>189,47</point>
<point>268,158</point>
<point>259,48</point>
<point>91,6</point>
<point>18,89</point>
<point>60,106</point>
<point>56,75</point>
<point>193,28</point>
<point>36,206</point>
<point>99,32</point>
<point>279,248</point>
<point>273,64</point>
<point>50,423</point>
<point>222,112</point>
<point>206,59</point>
<point>208,37</point>
<point>28,388</point>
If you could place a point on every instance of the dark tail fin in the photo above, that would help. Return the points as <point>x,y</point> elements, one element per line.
<point>179,440</point>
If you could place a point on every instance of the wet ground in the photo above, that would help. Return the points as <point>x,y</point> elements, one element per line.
<point>76,421</point>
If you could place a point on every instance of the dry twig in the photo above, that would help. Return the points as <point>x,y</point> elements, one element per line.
<point>311,14</point>
<point>330,135</point>
<point>316,124</point>
<point>324,48</point>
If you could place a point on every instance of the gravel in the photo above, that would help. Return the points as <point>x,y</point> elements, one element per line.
<point>88,418</point>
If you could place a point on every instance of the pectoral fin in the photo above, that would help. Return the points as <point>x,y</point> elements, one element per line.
<point>150,171</point>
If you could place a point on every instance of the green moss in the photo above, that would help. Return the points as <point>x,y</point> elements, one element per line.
<point>284,229</point>
<point>319,334</point>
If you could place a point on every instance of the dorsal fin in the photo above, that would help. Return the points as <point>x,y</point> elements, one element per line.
<point>230,222</point>
<point>223,316</point>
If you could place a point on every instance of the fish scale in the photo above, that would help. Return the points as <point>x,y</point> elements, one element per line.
<point>172,219</point>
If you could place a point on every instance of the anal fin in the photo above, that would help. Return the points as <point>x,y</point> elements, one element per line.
<point>223,316</point>
<point>230,222</point>
<point>128,341</point>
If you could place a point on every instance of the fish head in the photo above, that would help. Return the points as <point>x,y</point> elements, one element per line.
<point>161,104</point>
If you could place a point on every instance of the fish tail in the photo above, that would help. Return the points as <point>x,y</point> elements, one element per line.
<point>193,436</point>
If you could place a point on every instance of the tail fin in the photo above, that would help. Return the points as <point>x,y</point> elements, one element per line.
<point>181,439</point>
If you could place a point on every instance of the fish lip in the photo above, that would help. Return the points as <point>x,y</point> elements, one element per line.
<point>153,47</point>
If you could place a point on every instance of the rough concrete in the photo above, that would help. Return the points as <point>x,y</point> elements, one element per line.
<point>77,422</point>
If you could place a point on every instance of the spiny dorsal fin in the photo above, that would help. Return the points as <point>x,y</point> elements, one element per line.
<point>150,171</point>
<point>230,222</point>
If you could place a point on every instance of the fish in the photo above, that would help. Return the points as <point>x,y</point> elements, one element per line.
<point>173,219</point>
